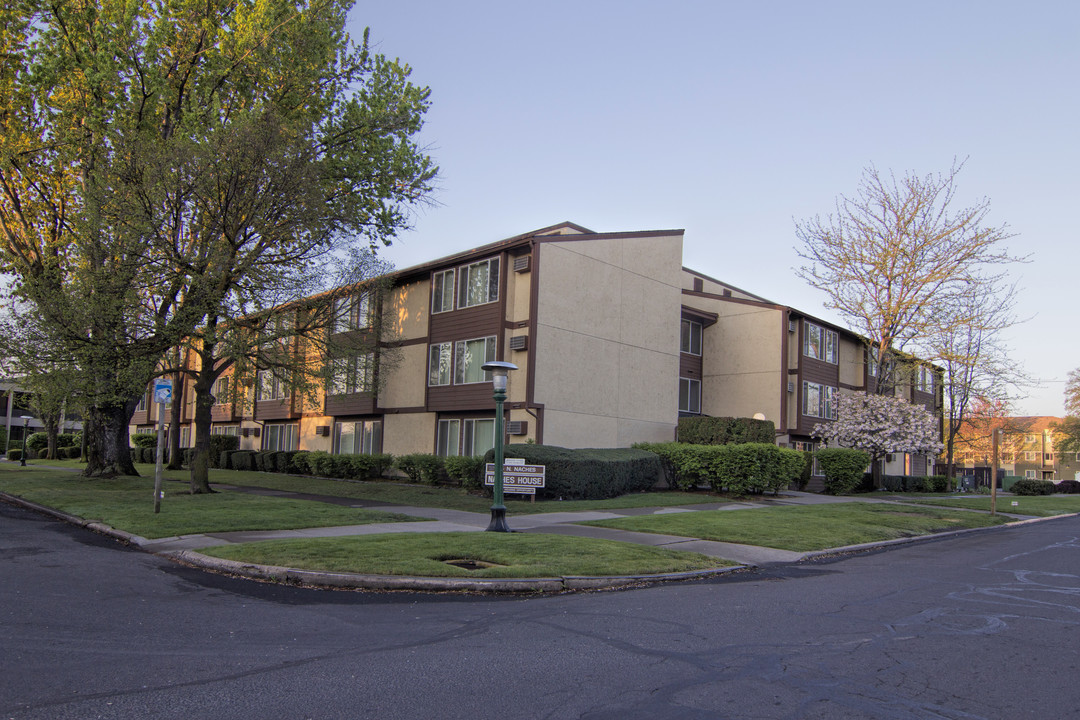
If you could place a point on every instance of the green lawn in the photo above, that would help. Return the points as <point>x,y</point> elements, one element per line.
<point>805,528</point>
<point>127,503</point>
<point>1039,505</point>
<point>401,493</point>
<point>514,555</point>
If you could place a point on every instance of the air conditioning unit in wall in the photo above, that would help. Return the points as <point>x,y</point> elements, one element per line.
<point>519,342</point>
<point>792,325</point>
<point>322,429</point>
<point>522,263</point>
<point>791,387</point>
<point>517,427</point>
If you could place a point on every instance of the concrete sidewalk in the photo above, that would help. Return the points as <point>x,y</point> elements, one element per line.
<point>185,548</point>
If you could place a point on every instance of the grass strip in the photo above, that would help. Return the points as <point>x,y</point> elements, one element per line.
<point>1035,506</point>
<point>808,527</point>
<point>513,555</point>
<point>127,503</point>
<point>401,493</point>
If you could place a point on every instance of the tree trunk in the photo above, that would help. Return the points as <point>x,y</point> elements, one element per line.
<point>200,457</point>
<point>52,429</point>
<point>108,443</point>
<point>176,462</point>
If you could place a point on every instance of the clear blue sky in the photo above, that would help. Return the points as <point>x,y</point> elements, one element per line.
<point>732,119</point>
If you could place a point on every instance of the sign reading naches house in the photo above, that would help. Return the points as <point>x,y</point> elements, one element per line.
<point>518,478</point>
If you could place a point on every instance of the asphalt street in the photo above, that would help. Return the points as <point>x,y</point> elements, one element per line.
<point>983,625</point>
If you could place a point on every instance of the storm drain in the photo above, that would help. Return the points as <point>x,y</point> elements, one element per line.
<point>467,564</point>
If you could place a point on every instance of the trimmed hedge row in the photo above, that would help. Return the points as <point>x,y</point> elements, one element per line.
<point>915,483</point>
<point>739,469</point>
<point>1068,487</point>
<point>725,431</point>
<point>588,474</point>
<point>1031,486</point>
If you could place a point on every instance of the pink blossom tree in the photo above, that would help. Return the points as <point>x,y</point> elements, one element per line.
<point>881,424</point>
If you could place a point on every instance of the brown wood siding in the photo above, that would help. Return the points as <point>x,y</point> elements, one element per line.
<point>452,398</point>
<point>274,409</point>
<point>222,413</point>
<point>355,404</point>
<point>468,324</point>
<point>139,417</point>
<point>690,366</point>
<point>815,371</point>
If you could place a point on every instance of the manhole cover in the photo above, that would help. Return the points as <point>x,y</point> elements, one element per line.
<point>466,564</point>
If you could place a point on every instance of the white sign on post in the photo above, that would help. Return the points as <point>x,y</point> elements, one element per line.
<point>518,478</point>
<point>162,391</point>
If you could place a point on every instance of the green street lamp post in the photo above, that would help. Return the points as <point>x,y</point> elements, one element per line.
<point>499,371</point>
<point>25,429</point>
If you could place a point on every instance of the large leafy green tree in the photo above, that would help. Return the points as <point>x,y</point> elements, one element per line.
<point>161,163</point>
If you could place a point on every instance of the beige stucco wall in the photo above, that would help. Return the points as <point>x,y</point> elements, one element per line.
<point>405,383</point>
<point>607,345</point>
<point>742,362</point>
<point>852,363</point>
<point>407,311</point>
<point>308,440</point>
<point>409,433</point>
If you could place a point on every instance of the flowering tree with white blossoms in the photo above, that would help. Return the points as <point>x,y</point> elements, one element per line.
<point>881,424</point>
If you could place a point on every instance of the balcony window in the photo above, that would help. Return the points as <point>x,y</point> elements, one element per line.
<point>479,283</point>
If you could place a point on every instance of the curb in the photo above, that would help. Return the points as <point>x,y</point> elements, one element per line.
<point>355,581</point>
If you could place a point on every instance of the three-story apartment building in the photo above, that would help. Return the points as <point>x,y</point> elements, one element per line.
<point>614,340</point>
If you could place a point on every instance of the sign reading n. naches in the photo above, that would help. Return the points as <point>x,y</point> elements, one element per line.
<point>518,477</point>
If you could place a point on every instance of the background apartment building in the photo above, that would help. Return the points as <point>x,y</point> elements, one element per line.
<point>1026,449</point>
<point>614,340</point>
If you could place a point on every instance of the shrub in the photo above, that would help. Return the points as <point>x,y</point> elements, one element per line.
<point>589,474</point>
<point>1031,486</point>
<point>3,439</point>
<point>37,441</point>
<point>1069,487</point>
<point>685,466</point>
<point>283,461</point>
<point>725,431</point>
<point>242,460</point>
<point>144,440</point>
<point>755,467</point>
<point>843,468</point>
<point>421,467</point>
<point>14,455</point>
<point>320,463</point>
<point>65,440</point>
<point>74,452</point>
<point>300,462</point>
<point>468,470</point>
<point>363,467</point>
<point>220,444</point>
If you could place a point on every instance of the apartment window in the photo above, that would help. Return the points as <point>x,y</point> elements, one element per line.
<point>352,375</point>
<point>1006,457</point>
<point>270,386</point>
<point>689,395</point>
<point>362,437</point>
<point>691,337</point>
<point>470,355</point>
<point>141,407</point>
<point>1048,457</point>
<point>351,313</point>
<point>448,442</point>
<point>1031,439</point>
<point>809,448</point>
<point>470,436</point>
<point>1030,456</point>
<point>819,400</point>
<point>926,379</point>
<point>479,283</point>
<point>185,437</point>
<point>279,436</point>
<point>1029,474</point>
<point>442,291</point>
<point>819,343</point>
<point>224,430</point>
<point>439,364</point>
<point>220,391</point>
